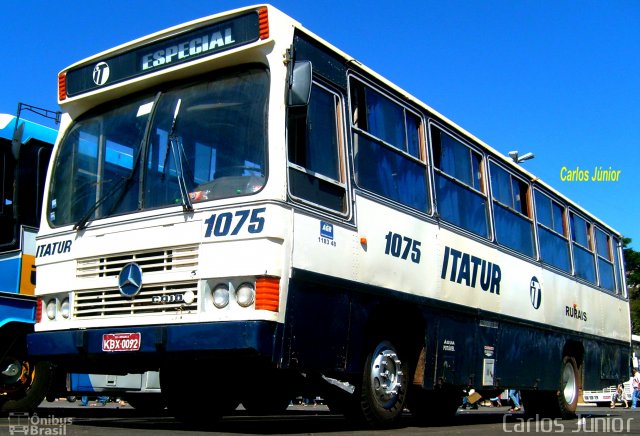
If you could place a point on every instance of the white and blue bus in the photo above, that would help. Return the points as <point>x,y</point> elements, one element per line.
<point>25,149</point>
<point>244,207</point>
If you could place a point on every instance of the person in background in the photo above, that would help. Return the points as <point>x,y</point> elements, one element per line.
<point>635,383</point>
<point>495,402</point>
<point>514,395</point>
<point>102,400</point>
<point>467,402</point>
<point>618,395</point>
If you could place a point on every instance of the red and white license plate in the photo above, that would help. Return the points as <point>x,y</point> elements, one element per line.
<point>121,342</point>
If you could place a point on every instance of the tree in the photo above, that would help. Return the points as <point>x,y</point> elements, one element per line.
<point>632,264</point>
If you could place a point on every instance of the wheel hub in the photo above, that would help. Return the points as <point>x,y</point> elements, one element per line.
<point>569,383</point>
<point>14,374</point>
<point>386,376</point>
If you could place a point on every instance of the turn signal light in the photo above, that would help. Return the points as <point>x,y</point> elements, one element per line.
<point>268,293</point>
<point>62,86</point>
<point>263,22</point>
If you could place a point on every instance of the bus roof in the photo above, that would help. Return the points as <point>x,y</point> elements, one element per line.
<point>31,130</point>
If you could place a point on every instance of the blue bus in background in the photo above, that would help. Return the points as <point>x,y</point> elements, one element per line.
<point>25,150</point>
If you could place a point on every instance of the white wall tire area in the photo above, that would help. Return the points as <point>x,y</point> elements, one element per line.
<point>568,391</point>
<point>385,383</point>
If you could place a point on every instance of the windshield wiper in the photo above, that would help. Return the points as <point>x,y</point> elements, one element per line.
<point>122,183</point>
<point>174,142</point>
<point>82,222</point>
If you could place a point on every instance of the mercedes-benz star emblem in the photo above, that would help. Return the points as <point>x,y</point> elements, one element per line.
<point>130,280</point>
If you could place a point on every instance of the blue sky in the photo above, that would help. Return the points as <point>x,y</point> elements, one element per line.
<point>560,79</point>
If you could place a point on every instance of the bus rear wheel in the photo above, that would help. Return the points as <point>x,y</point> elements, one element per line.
<point>562,402</point>
<point>384,387</point>
<point>569,388</point>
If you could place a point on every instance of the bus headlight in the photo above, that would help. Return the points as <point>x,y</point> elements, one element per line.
<point>221,296</point>
<point>65,308</point>
<point>52,309</point>
<point>245,295</point>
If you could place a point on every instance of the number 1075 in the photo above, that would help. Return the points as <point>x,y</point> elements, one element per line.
<point>402,247</point>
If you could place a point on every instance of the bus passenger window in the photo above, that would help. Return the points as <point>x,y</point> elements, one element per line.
<point>315,151</point>
<point>387,148</point>
<point>583,260</point>
<point>513,224</point>
<point>554,245</point>
<point>605,260</point>
<point>620,289</point>
<point>460,192</point>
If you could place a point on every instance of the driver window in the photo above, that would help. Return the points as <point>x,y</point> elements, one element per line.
<point>315,151</point>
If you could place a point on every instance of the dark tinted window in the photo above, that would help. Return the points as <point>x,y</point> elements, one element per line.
<point>458,183</point>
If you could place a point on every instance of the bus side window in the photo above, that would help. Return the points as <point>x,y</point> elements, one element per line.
<point>606,278</point>
<point>387,151</point>
<point>583,260</point>
<point>459,184</point>
<point>620,290</point>
<point>552,234</point>
<point>513,223</point>
<point>315,151</point>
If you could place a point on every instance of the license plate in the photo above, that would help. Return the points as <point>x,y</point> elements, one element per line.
<point>121,342</point>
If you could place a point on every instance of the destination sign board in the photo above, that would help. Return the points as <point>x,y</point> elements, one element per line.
<point>176,49</point>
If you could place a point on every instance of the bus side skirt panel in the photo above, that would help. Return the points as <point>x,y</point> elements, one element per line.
<point>328,322</point>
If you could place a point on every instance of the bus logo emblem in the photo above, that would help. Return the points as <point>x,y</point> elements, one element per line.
<point>130,280</point>
<point>101,73</point>
<point>535,292</point>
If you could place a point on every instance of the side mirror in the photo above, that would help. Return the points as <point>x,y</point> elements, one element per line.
<point>300,84</point>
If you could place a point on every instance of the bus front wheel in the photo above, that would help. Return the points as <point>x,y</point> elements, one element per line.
<point>384,387</point>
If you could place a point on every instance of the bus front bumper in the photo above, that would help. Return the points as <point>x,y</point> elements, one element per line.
<point>81,349</point>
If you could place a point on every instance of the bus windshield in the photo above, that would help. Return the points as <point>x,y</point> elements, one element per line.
<point>205,140</point>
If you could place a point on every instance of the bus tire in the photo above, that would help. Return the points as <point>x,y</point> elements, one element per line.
<point>568,391</point>
<point>28,397</point>
<point>385,383</point>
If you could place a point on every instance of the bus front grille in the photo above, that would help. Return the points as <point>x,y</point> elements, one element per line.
<point>173,259</point>
<point>152,299</point>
